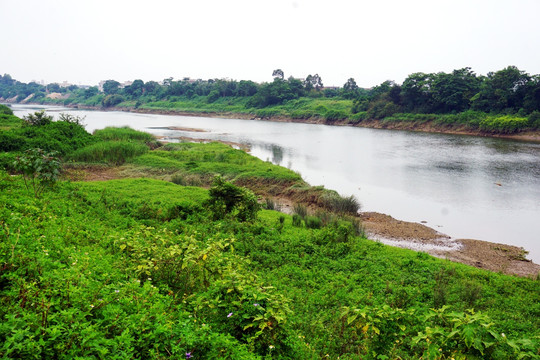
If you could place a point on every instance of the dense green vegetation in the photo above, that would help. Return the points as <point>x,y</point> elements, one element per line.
<point>505,101</point>
<point>147,268</point>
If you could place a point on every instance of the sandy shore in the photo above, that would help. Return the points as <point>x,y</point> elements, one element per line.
<point>503,258</point>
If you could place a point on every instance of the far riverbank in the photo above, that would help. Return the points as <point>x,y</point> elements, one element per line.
<point>429,127</point>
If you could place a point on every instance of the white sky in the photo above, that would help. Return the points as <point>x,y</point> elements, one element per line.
<point>85,41</point>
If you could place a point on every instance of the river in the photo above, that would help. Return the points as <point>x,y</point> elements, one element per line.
<point>463,186</point>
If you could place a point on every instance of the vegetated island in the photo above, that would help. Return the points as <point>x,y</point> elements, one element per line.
<point>173,256</point>
<point>505,103</point>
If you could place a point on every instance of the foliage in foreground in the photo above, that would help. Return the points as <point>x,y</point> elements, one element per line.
<point>141,269</point>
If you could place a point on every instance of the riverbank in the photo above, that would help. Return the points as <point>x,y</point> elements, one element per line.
<point>429,127</point>
<point>486,255</point>
<point>398,234</point>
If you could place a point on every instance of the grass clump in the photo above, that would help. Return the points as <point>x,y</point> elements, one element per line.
<point>112,152</point>
<point>122,134</point>
<point>341,205</point>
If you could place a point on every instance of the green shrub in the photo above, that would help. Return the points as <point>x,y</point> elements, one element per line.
<point>358,117</point>
<point>228,199</point>
<point>11,141</point>
<point>335,115</point>
<point>39,118</point>
<point>302,114</point>
<point>60,136</point>
<point>313,222</point>
<point>503,124</point>
<point>534,120</point>
<point>112,100</point>
<point>5,110</point>
<point>40,170</point>
<point>296,220</point>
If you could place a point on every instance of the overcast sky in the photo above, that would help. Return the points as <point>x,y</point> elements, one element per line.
<point>85,41</point>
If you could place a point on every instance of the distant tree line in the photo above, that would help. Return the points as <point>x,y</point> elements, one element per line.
<point>507,91</point>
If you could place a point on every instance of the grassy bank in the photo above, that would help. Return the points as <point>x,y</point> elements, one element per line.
<point>159,268</point>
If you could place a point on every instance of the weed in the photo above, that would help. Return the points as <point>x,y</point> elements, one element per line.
<point>300,210</point>
<point>40,170</point>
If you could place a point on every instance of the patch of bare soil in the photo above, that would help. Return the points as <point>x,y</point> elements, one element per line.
<point>503,258</point>
<point>481,254</point>
<point>92,173</point>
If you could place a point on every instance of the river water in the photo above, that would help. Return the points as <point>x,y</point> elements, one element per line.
<point>463,186</point>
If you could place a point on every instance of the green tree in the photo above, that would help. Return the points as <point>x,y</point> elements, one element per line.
<point>151,87</point>
<point>112,100</point>
<point>276,92</point>
<point>278,73</point>
<point>246,88</point>
<point>417,93</point>
<point>313,82</point>
<point>504,90</point>
<point>135,89</point>
<point>91,91</point>
<point>350,89</point>
<point>111,87</point>
<point>453,92</point>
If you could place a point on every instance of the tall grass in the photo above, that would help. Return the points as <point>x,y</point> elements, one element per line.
<point>341,205</point>
<point>122,134</point>
<point>112,152</point>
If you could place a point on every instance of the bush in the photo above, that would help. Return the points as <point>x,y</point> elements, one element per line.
<point>39,118</point>
<point>5,110</point>
<point>313,222</point>
<point>10,141</point>
<point>296,220</point>
<point>358,117</point>
<point>112,100</point>
<point>229,199</point>
<point>40,170</point>
<point>335,115</point>
<point>534,120</point>
<point>503,124</point>
<point>60,136</point>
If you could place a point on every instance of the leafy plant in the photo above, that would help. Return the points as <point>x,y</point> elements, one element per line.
<point>40,170</point>
<point>228,199</point>
<point>39,118</point>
